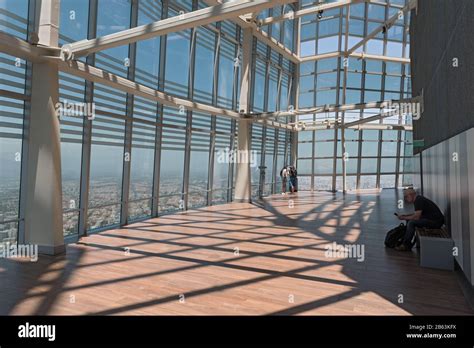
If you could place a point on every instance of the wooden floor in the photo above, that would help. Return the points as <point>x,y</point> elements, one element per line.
<point>245,259</point>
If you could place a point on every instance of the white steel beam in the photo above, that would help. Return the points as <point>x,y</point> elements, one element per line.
<point>22,49</point>
<point>387,25</point>
<point>247,22</point>
<point>308,11</point>
<point>181,22</point>
<point>275,44</point>
<point>337,108</point>
<point>274,124</point>
<point>380,126</point>
<point>370,119</point>
<point>97,75</point>
<point>330,122</point>
<point>355,55</point>
<point>378,57</point>
<point>321,56</point>
<point>314,9</point>
<point>17,47</point>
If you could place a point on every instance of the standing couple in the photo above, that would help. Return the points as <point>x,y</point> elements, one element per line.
<point>289,174</point>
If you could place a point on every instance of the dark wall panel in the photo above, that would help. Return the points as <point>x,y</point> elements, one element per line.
<point>440,31</point>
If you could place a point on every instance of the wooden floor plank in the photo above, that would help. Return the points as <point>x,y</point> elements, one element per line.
<point>238,259</point>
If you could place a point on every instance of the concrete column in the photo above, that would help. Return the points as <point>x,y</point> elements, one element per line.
<point>242,180</point>
<point>296,94</point>
<point>43,213</point>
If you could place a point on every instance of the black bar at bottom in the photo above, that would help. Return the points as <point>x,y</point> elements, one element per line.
<point>291,331</point>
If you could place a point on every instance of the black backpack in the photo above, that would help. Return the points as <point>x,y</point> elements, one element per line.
<point>292,171</point>
<point>394,236</point>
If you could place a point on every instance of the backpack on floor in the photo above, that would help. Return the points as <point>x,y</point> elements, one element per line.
<point>395,235</point>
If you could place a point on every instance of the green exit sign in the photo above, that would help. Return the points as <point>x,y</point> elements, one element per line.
<point>419,143</point>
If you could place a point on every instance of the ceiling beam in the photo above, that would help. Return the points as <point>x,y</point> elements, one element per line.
<point>275,124</point>
<point>377,117</point>
<point>308,11</point>
<point>181,22</point>
<point>355,55</point>
<point>275,44</point>
<point>97,75</point>
<point>378,57</point>
<point>359,127</point>
<point>386,25</point>
<point>337,108</point>
<point>19,48</point>
<point>248,22</point>
<point>16,47</point>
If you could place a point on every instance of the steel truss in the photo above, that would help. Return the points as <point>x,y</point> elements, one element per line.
<point>242,13</point>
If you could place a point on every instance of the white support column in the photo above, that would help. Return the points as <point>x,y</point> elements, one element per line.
<point>43,211</point>
<point>343,114</point>
<point>296,95</point>
<point>243,180</point>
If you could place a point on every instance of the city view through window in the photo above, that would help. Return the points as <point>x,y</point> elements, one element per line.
<point>136,158</point>
<point>168,160</point>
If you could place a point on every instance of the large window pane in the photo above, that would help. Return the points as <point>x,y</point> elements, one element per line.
<point>259,86</point>
<point>71,90</point>
<point>105,187</point>
<point>172,160</point>
<point>177,56</point>
<point>199,162</point>
<point>115,60</point>
<point>142,159</point>
<point>205,59</point>
<point>227,74</point>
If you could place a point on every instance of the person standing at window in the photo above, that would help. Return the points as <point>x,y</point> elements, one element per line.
<point>293,179</point>
<point>284,179</point>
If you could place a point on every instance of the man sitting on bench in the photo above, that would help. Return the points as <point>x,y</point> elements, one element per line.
<point>427,214</point>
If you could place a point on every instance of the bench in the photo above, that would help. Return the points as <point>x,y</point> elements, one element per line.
<point>436,248</point>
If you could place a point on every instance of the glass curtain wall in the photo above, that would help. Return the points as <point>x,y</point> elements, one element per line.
<point>272,83</point>
<point>136,165</point>
<point>13,96</point>
<point>374,158</point>
<point>132,158</point>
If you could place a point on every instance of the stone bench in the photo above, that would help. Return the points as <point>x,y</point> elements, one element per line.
<point>436,248</point>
